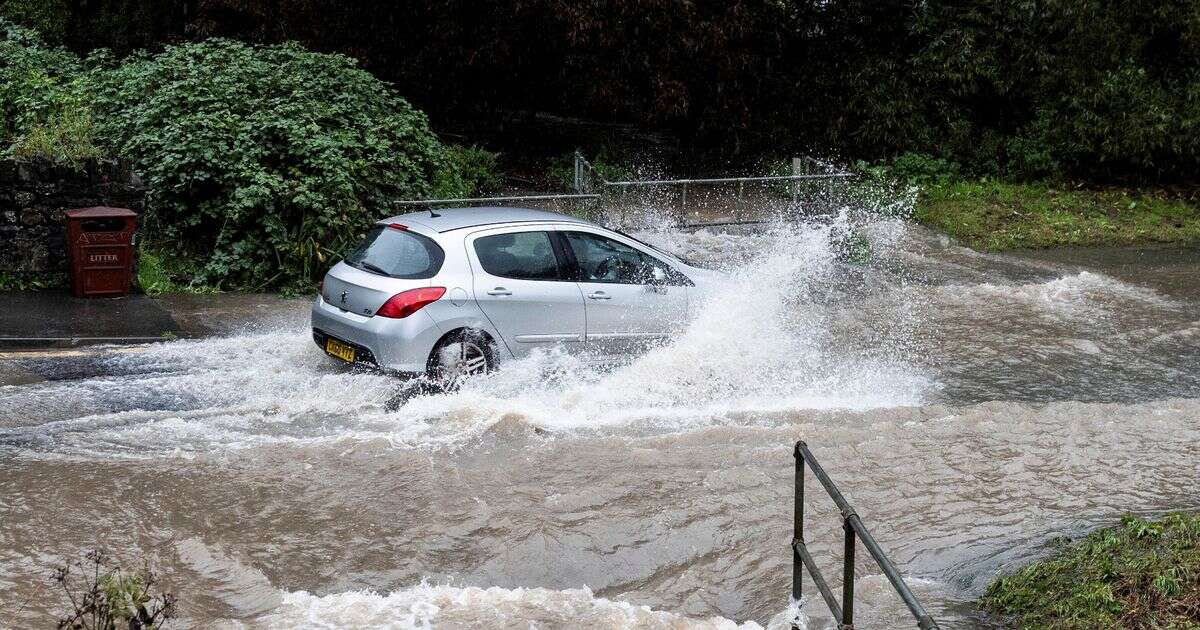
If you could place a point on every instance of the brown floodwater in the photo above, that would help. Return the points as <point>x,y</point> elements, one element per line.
<point>972,407</point>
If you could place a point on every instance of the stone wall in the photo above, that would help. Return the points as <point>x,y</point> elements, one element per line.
<point>33,199</point>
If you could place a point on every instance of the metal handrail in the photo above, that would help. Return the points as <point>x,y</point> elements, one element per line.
<point>852,525</point>
<point>726,180</point>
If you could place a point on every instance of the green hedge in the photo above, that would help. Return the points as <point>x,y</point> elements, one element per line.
<point>261,163</point>
<point>268,161</point>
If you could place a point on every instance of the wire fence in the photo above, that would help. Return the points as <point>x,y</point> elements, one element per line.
<point>691,202</point>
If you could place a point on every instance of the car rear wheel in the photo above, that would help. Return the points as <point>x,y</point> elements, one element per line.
<point>460,356</point>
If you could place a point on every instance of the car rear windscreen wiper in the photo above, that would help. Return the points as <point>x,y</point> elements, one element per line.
<point>374,268</point>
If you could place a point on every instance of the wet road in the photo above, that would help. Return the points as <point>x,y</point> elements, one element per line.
<point>970,406</point>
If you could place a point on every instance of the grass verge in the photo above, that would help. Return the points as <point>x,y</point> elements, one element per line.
<point>997,216</point>
<point>1138,574</point>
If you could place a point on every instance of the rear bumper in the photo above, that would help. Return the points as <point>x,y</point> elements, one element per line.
<point>362,354</point>
<point>400,345</point>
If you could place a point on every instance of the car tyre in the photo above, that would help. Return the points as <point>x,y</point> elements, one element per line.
<point>459,356</point>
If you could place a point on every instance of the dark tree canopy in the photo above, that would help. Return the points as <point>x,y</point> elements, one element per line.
<point>1099,89</point>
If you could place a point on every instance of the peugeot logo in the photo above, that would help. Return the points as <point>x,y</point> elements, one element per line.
<point>344,294</point>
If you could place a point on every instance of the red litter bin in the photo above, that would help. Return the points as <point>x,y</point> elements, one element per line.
<point>100,241</point>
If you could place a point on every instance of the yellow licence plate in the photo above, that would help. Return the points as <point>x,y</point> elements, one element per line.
<point>339,350</point>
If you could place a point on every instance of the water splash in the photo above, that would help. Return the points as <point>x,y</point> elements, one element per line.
<point>761,341</point>
<point>768,338</point>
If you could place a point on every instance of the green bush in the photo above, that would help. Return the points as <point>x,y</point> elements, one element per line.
<point>37,82</point>
<point>261,162</point>
<point>467,172</point>
<point>911,168</point>
<point>921,169</point>
<point>609,168</point>
<point>1124,122</point>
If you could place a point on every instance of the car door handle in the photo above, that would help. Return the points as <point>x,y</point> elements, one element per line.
<point>499,291</point>
<point>599,295</point>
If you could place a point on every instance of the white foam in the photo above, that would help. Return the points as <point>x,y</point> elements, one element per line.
<point>1067,294</point>
<point>426,606</point>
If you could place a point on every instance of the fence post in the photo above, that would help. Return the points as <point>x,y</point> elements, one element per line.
<point>848,578</point>
<point>683,207</point>
<point>798,527</point>
<point>578,172</point>
<point>740,212</point>
<point>797,169</point>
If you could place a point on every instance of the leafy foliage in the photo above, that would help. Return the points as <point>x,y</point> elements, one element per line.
<point>66,137</point>
<point>467,172</point>
<point>918,168</point>
<point>608,167</point>
<point>1107,90</point>
<point>1138,574</point>
<point>22,282</point>
<point>48,17</point>
<point>1099,89</point>
<point>262,162</point>
<point>123,25</point>
<point>37,82</point>
<point>160,271</point>
<point>103,596</point>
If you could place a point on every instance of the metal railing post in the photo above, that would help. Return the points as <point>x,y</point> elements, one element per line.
<point>798,528</point>
<point>855,531</point>
<point>741,201</point>
<point>848,578</point>
<point>796,168</point>
<point>578,172</point>
<point>683,206</point>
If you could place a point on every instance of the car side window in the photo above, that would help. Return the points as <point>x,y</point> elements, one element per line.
<point>519,255</point>
<point>602,259</point>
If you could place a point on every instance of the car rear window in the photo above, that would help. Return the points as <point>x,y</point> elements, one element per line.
<point>397,253</point>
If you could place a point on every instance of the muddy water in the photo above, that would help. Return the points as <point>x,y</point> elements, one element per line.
<point>971,406</point>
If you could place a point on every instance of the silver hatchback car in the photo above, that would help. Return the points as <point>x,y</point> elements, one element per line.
<point>452,292</point>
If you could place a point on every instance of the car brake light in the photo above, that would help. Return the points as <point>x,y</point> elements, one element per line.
<point>408,302</point>
<point>398,226</point>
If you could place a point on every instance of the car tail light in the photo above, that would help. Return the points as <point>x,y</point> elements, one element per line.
<point>404,304</point>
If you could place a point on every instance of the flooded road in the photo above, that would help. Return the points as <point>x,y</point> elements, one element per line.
<point>970,406</point>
